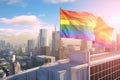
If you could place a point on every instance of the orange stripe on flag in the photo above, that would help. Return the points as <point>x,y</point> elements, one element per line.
<point>103,33</point>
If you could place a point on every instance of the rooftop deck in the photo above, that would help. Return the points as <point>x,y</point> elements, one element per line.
<point>63,69</point>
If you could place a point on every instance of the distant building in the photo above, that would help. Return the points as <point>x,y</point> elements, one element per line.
<point>44,37</point>
<point>23,49</point>
<point>86,45</point>
<point>66,51</point>
<point>114,47</point>
<point>55,44</point>
<point>2,44</point>
<point>44,41</point>
<point>8,45</point>
<point>14,68</point>
<point>45,51</point>
<point>31,45</point>
<point>42,59</point>
<point>118,41</point>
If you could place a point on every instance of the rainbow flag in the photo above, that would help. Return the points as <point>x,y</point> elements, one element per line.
<point>86,26</point>
<point>78,25</point>
<point>103,33</point>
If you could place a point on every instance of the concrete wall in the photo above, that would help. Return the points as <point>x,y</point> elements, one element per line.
<point>62,70</point>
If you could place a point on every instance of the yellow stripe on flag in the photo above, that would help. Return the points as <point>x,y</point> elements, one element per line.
<point>78,23</point>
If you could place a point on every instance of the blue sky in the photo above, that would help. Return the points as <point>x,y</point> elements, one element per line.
<point>26,17</point>
<point>48,10</point>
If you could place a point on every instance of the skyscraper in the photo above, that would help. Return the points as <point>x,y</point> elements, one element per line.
<point>44,37</point>
<point>44,41</point>
<point>55,44</point>
<point>31,45</point>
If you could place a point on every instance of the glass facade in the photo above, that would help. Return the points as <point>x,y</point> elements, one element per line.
<point>106,71</point>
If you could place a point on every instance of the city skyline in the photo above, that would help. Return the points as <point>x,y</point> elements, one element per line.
<point>21,20</point>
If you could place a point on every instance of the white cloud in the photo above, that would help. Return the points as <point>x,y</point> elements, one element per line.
<point>22,20</point>
<point>15,35</point>
<point>59,1</point>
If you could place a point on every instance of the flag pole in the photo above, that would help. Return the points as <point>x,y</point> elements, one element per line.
<point>55,42</point>
<point>86,49</point>
<point>89,64</point>
<point>60,45</point>
<point>60,49</point>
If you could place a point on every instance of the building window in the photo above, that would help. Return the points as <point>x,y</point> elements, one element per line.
<point>106,71</point>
